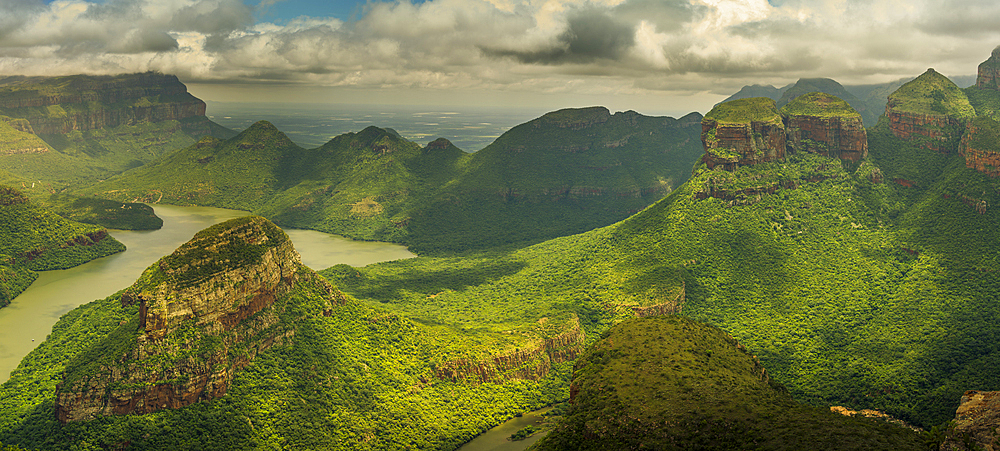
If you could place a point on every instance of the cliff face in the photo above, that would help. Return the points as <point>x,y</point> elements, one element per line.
<point>824,124</point>
<point>988,76</point>
<point>205,312</point>
<point>929,111</point>
<point>977,422</point>
<point>533,362</point>
<point>742,132</point>
<point>64,104</point>
<point>981,146</point>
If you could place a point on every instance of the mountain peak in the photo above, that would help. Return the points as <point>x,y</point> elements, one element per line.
<point>988,76</point>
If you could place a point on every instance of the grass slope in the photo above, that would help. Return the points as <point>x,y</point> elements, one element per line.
<point>670,383</point>
<point>932,93</point>
<point>825,85</point>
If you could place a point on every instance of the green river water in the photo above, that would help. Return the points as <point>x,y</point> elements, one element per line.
<point>29,318</point>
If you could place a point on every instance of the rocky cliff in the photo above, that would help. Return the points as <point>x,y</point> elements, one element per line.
<point>977,423</point>
<point>981,145</point>
<point>204,312</point>
<point>930,111</point>
<point>742,132</point>
<point>824,124</point>
<point>79,103</point>
<point>531,362</point>
<point>988,76</point>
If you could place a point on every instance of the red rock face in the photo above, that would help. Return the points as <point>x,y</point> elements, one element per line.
<point>982,160</point>
<point>839,137</point>
<point>231,308</point>
<point>755,143</point>
<point>929,131</point>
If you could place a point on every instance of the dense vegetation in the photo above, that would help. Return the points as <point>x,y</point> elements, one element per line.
<point>865,293</point>
<point>670,383</point>
<point>107,213</point>
<point>825,85</point>
<point>566,172</point>
<point>932,93</point>
<point>818,104</point>
<point>354,378</point>
<point>986,102</point>
<point>744,111</point>
<point>35,239</point>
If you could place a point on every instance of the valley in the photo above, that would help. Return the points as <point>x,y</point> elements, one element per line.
<point>737,272</point>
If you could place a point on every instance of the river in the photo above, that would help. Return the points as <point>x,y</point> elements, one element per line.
<point>29,318</point>
<point>498,438</point>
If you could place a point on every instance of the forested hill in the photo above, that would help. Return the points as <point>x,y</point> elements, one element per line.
<point>34,239</point>
<point>566,172</point>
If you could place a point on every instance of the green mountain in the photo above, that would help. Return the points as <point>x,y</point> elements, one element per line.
<point>566,172</point>
<point>230,343</point>
<point>809,85</point>
<point>670,383</point>
<point>35,239</point>
<point>868,288</point>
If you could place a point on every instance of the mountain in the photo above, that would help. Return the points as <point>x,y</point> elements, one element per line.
<point>692,386</point>
<point>825,124</point>
<point>749,91</point>
<point>566,172</point>
<point>869,100</point>
<point>867,285</point>
<point>742,132</point>
<point>231,343</point>
<point>72,131</point>
<point>930,111</point>
<point>35,239</point>
<point>828,86</point>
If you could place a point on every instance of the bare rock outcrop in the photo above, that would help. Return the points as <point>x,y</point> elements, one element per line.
<point>824,124</point>
<point>930,112</point>
<point>981,146</point>
<point>532,362</point>
<point>742,132</point>
<point>977,422</point>
<point>205,312</point>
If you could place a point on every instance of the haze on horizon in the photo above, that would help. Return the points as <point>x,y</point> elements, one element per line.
<point>654,56</point>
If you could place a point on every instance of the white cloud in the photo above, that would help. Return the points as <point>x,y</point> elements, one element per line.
<point>600,46</point>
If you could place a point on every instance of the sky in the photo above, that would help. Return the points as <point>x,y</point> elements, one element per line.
<point>652,56</point>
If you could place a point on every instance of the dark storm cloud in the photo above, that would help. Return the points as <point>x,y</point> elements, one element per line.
<point>590,34</point>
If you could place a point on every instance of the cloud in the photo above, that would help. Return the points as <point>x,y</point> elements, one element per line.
<point>602,46</point>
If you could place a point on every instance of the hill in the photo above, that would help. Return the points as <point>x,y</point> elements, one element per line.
<point>828,86</point>
<point>865,287</point>
<point>563,173</point>
<point>230,343</point>
<point>692,386</point>
<point>35,239</point>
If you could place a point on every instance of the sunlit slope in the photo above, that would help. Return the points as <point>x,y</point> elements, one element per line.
<point>670,383</point>
<point>309,367</point>
<point>852,288</point>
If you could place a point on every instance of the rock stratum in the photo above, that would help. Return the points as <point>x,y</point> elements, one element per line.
<point>53,105</point>
<point>930,111</point>
<point>976,423</point>
<point>205,312</point>
<point>750,131</point>
<point>824,124</point>
<point>742,132</point>
<point>980,145</point>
